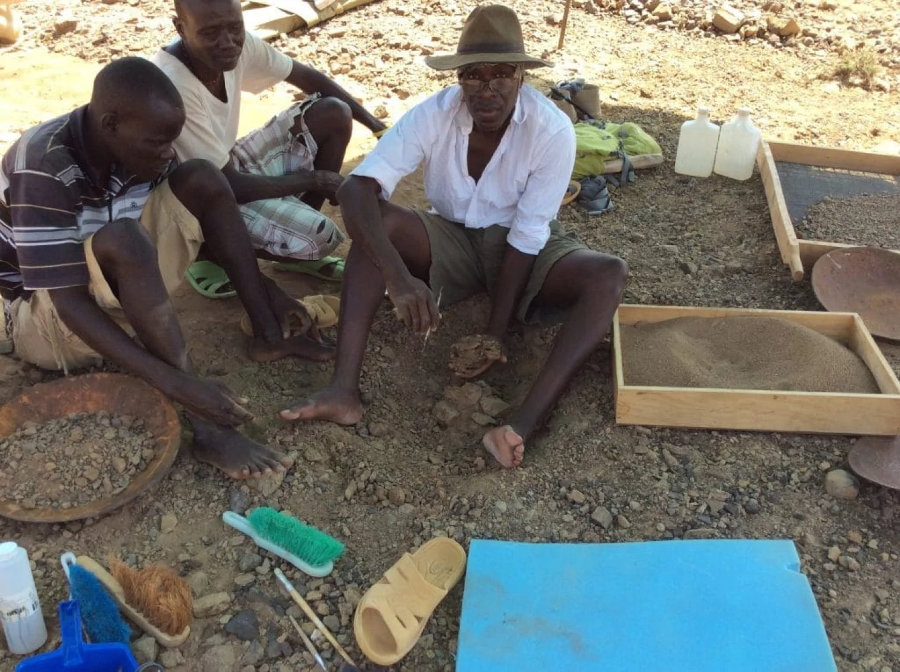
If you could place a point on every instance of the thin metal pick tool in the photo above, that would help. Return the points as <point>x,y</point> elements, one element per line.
<point>309,645</point>
<point>428,333</point>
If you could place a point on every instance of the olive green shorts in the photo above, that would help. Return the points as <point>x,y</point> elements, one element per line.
<point>466,262</point>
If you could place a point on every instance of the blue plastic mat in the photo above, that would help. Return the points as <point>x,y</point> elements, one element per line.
<point>672,606</point>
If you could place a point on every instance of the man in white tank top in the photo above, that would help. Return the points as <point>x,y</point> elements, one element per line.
<point>280,173</point>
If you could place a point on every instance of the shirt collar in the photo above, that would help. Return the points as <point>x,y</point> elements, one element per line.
<point>454,103</point>
<point>77,124</point>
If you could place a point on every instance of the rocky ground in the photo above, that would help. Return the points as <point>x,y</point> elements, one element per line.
<point>414,468</point>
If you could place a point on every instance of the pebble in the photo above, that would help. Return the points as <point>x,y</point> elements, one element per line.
<point>218,658</point>
<point>168,523</point>
<point>396,496</point>
<point>64,24</point>
<point>834,553</point>
<point>494,406</point>
<point>602,517</point>
<point>841,484</point>
<point>444,412</point>
<point>211,605</point>
<point>313,455</point>
<point>501,506</point>
<point>145,649</point>
<point>171,658</point>
<point>250,561</point>
<point>854,536</point>
<point>244,580</point>
<point>244,625</point>
<point>576,496</point>
<point>198,581</point>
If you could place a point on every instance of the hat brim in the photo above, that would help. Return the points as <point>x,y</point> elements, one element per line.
<point>454,61</point>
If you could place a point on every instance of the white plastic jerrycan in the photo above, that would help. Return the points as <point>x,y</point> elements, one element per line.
<point>20,610</point>
<point>738,143</point>
<point>697,146</point>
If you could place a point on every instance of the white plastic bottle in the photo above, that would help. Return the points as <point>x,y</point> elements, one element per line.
<point>20,609</point>
<point>738,143</point>
<point>697,146</point>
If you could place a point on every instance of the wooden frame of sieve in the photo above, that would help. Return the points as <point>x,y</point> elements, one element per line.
<point>761,410</point>
<point>797,253</point>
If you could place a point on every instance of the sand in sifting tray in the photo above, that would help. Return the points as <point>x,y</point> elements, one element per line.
<point>741,353</point>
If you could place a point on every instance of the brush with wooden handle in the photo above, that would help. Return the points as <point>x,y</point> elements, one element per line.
<point>139,619</point>
<point>307,642</point>
<point>289,587</point>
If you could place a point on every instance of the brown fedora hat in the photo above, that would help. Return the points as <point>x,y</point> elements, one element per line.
<point>491,34</point>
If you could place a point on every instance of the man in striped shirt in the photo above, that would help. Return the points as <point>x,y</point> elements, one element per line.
<point>97,227</point>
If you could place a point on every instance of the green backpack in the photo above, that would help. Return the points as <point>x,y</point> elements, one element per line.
<point>597,142</point>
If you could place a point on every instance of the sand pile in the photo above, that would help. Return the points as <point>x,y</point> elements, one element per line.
<point>748,353</point>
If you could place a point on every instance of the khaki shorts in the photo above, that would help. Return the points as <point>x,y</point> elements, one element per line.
<point>39,334</point>
<point>466,262</point>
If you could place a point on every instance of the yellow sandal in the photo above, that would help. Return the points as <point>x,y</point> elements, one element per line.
<point>323,309</point>
<point>393,613</point>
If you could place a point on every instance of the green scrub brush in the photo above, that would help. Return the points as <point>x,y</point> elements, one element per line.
<point>306,548</point>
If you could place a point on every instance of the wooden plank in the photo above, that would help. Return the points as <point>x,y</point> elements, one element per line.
<point>812,250</point>
<point>617,366</point>
<point>270,19</point>
<point>834,325</point>
<point>758,410</point>
<point>308,13</point>
<point>864,345</point>
<point>639,162</point>
<point>761,410</point>
<point>299,8</point>
<point>785,235</point>
<point>831,157</point>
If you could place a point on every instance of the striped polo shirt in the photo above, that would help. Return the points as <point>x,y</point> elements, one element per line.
<point>51,200</point>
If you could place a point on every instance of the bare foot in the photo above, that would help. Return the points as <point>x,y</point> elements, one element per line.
<point>338,406</point>
<point>235,454</point>
<point>507,447</point>
<point>297,346</point>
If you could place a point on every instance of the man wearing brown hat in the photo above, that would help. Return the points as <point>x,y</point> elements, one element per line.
<point>498,156</point>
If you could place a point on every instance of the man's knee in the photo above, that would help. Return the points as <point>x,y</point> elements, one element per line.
<point>609,273</point>
<point>198,182</point>
<point>329,117</point>
<point>123,244</point>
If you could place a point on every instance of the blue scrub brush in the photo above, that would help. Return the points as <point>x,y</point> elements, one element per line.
<point>99,612</point>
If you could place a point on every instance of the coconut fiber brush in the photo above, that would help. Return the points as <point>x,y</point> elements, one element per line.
<point>155,598</point>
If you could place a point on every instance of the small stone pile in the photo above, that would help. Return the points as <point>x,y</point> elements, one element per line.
<point>71,461</point>
<point>781,24</point>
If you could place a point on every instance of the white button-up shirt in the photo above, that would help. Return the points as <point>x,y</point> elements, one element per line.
<point>522,185</point>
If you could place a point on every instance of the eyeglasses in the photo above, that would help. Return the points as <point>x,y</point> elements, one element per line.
<point>502,83</point>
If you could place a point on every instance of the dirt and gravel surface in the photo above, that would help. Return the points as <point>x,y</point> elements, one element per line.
<point>414,468</point>
<point>75,460</point>
<point>864,220</point>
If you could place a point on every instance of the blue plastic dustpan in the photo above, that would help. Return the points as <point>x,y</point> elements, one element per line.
<point>74,655</point>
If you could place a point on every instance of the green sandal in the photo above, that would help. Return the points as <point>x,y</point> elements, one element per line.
<point>314,268</point>
<point>208,278</point>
